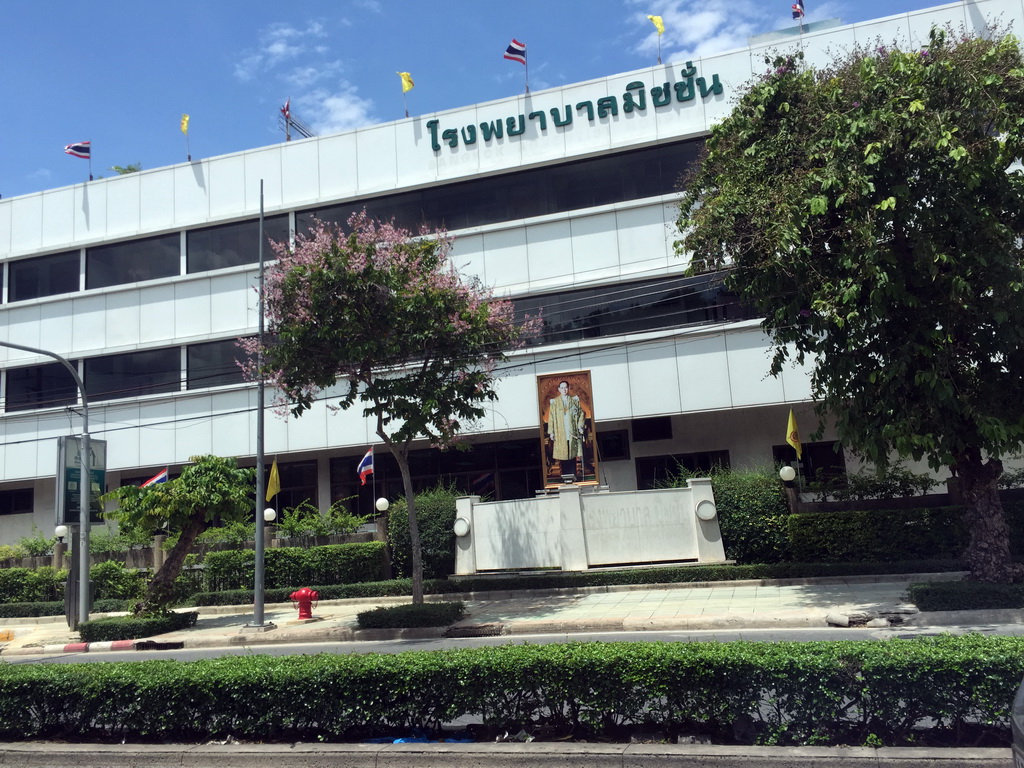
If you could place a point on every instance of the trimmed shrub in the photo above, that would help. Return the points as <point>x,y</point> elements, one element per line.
<point>295,567</point>
<point>115,582</point>
<point>30,585</point>
<point>412,615</point>
<point>435,515</point>
<point>134,627</point>
<point>12,552</point>
<point>878,535</point>
<point>819,693</point>
<point>21,610</point>
<point>965,595</point>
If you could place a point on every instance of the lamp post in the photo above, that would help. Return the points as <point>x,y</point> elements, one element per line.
<point>787,474</point>
<point>59,533</point>
<point>85,481</point>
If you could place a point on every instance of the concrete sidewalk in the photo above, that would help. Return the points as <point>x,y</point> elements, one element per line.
<point>774,604</point>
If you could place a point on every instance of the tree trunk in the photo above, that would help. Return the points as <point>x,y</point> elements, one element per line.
<point>988,552</point>
<point>161,588</point>
<point>402,457</point>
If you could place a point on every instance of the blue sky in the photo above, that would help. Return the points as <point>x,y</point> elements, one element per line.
<point>120,73</point>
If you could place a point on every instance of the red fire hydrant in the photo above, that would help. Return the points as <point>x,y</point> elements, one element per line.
<point>305,599</point>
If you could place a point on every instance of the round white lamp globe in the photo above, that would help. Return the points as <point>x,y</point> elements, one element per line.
<point>787,474</point>
<point>382,504</point>
<point>269,515</point>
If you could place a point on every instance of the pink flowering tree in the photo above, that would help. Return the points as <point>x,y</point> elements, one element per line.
<point>385,315</point>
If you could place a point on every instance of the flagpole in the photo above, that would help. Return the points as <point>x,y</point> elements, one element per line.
<point>405,100</point>
<point>527,76</point>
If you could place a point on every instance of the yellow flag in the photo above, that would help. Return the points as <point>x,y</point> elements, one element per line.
<point>407,83</point>
<point>184,124</point>
<point>658,24</point>
<point>793,435</point>
<point>274,485</point>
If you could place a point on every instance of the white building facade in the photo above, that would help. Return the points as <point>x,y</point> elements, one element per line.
<point>564,200</point>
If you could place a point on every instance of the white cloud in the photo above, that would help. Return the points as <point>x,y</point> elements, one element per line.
<point>303,77</point>
<point>41,173</point>
<point>341,109</point>
<point>278,43</point>
<point>719,25</point>
<point>300,57</point>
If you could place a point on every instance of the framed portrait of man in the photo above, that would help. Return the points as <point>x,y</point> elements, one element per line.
<point>567,432</point>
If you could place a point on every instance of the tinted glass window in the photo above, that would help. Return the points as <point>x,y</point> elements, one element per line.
<point>523,194</point>
<point>231,245</point>
<point>16,502</point>
<point>819,463</point>
<point>133,374</point>
<point>214,364</point>
<point>623,308</point>
<point>133,261</point>
<point>40,386</point>
<point>505,470</point>
<point>44,276</point>
<point>655,471</point>
<point>298,483</point>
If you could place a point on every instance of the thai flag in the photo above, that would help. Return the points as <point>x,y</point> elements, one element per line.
<point>159,477</point>
<point>366,466</point>
<point>516,51</point>
<point>798,9</point>
<point>82,149</point>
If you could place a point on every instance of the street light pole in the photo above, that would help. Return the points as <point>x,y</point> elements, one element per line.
<point>258,624</point>
<point>85,482</point>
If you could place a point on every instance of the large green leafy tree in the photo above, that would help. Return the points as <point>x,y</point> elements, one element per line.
<point>874,212</point>
<point>210,492</point>
<point>386,316</point>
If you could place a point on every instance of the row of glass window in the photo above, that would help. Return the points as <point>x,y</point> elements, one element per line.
<point>607,179</point>
<point>112,377</point>
<point>610,310</point>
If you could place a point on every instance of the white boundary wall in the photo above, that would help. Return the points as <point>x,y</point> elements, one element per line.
<point>576,529</point>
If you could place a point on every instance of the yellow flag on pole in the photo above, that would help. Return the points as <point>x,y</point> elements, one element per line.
<point>274,485</point>
<point>407,83</point>
<point>184,124</point>
<point>793,435</point>
<point>658,24</point>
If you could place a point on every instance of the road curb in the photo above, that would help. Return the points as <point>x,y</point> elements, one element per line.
<point>504,755</point>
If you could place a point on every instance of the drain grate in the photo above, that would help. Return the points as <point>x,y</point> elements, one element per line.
<point>475,630</point>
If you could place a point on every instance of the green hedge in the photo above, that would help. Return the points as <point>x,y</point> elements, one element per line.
<point>845,692</point>
<point>878,535</point>
<point>435,516</point>
<point>295,567</point>
<point>965,595</point>
<point>888,535</point>
<point>31,585</point>
<point>53,608</point>
<point>412,615</point>
<point>133,627</point>
<point>111,580</point>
